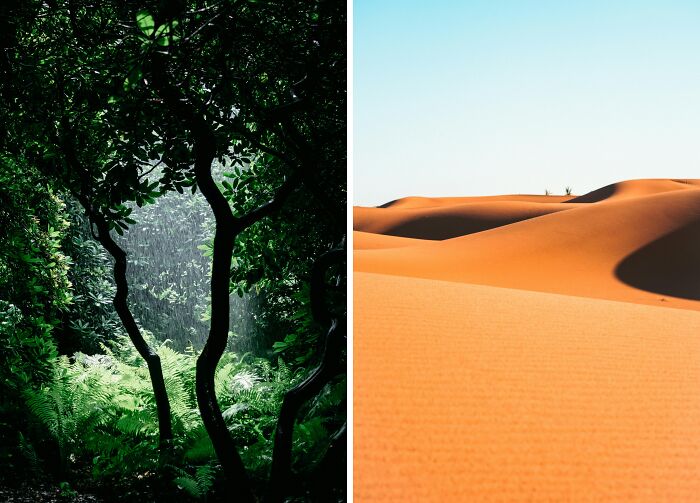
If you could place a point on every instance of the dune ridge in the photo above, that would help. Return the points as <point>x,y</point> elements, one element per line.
<point>575,251</point>
<point>431,202</point>
<point>444,222</point>
<point>372,241</point>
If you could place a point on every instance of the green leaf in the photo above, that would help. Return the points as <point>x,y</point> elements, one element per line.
<point>145,22</point>
<point>133,79</point>
<point>163,31</point>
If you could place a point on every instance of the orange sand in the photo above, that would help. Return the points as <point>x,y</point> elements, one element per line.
<point>369,241</point>
<point>471,384</point>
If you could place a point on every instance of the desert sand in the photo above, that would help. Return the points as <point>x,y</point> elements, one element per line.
<point>529,348</point>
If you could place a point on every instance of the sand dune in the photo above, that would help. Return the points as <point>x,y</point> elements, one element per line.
<point>474,393</point>
<point>370,241</point>
<point>549,352</point>
<point>431,202</point>
<point>635,188</point>
<point>598,250</point>
<point>444,222</point>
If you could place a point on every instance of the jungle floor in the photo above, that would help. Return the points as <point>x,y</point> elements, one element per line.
<point>529,348</point>
<point>45,493</point>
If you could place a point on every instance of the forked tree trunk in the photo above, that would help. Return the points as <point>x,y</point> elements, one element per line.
<point>224,238</point>
<point>228,227</point>
<point>238,486</point>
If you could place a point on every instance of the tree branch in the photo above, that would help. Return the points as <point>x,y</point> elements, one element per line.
<point>273,205</point>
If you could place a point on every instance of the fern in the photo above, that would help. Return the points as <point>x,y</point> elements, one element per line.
<point>27,451</point>
<point>201,448</point>
<point>199,484</point>
<point>189,484</point>
<point>100,409</point>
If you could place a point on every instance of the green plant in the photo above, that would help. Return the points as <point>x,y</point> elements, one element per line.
<point>66,491</point>
<point>91,321</point>
<point>35,294</point>
<point>99,411</point>
<point>198,484</point>
<point>568,190</point>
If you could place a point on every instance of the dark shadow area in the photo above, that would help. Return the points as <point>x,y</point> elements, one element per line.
<point>451,224</point>
<point>668,265</point>
<point>389,204</point>
<point>596,195</point>
<point>446,226</point>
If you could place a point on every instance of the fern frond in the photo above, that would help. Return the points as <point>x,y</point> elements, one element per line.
<point>29,454</point>
<point>189,485</point>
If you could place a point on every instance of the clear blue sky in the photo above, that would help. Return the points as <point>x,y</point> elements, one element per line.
<point>517,96</point>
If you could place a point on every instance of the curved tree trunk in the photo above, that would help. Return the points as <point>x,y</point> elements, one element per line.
<point>121,305</point>
<point>332,346</point>
<point>147,353</point>
<point>238,487</point>
<point>227,229</point>
<point>224,238</point>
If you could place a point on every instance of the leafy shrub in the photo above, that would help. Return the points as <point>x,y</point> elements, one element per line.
<point>91,321</point>
<point>100,412</point>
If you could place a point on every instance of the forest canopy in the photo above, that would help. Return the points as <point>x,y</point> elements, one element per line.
<point>172,251</point>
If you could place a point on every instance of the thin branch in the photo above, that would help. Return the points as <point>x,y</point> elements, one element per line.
<point>206,23</point>
<point>160,161</point>
<point>274,204</point>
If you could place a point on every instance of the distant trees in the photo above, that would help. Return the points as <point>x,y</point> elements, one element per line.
<point>97,95</point>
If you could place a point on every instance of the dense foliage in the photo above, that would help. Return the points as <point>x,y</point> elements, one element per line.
<point>112,110</point>
<point>99,412</point>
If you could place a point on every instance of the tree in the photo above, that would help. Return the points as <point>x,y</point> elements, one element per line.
<point>275,82</point>
<point>115,91</point>
<point>46,94</point>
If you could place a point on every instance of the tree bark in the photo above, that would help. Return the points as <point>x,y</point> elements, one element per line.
<point>152,359</point>
<point>227,229</point>
<point>224,239</point>
<point>332,345</point>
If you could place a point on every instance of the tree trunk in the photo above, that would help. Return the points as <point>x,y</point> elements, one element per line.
<point>147,353</point>
<point>332,345</point>
<point>224,239</point>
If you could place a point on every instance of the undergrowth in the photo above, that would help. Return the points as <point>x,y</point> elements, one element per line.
<point>99,412</point>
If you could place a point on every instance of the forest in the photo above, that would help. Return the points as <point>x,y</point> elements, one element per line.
<point>172,250</point>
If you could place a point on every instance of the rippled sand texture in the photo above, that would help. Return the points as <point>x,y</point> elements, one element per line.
<point>529,348</point>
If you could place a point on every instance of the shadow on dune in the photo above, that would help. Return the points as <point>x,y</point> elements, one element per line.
<point>442,227</point>
<point>596,195</point>
<point>632,188</point>
<point>447,226</point>
<point>389,204</point>
<point>669,265</point>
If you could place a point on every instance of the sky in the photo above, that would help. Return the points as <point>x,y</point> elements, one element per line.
<point>459,98</point>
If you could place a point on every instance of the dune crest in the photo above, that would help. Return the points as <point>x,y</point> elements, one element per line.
<point>444,222</point>
<point>592,250</point>
<point>370,241</point>
<point>636,188</point>
<point>431,202</point>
